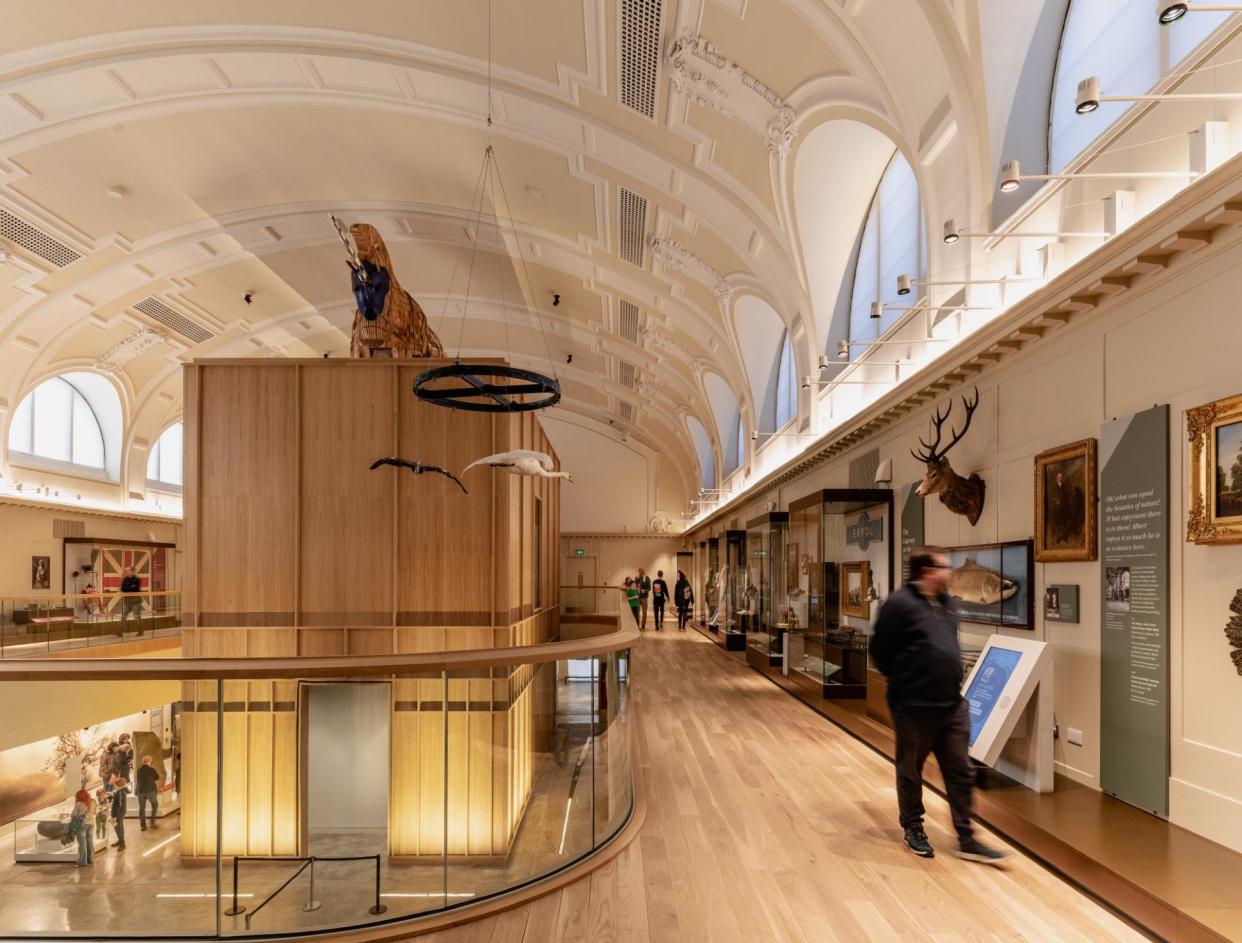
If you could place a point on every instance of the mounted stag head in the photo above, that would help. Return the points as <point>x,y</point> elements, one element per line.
<point>960,495</point>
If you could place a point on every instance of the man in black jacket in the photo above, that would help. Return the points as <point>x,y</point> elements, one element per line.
<point>915,647</point>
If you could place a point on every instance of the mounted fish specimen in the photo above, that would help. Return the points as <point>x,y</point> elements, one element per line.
<point>960,495</point>
<point>972,582</point>
<point>388,322</point>
<point>418,468</point>
<point>522,462</point>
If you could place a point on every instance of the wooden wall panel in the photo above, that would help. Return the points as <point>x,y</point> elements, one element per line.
<point>347,422</point>
<point>244,508</point>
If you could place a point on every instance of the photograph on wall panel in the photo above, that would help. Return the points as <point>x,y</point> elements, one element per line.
<point>991,583</point>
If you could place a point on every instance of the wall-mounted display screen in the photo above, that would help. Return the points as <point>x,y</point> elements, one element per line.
<point>988,686</point>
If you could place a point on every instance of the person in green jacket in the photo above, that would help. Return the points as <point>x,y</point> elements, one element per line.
<point>631,596</point>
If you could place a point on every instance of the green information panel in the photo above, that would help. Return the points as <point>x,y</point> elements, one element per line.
<point>911,526</point>
<point>1134,602</point>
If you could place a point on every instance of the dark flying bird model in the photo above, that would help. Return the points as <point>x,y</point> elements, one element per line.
<point>418,468</point>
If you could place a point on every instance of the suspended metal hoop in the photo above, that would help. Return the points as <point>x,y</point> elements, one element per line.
<point>480,392</point>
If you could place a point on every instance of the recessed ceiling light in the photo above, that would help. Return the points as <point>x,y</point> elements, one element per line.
<point>117,193</point>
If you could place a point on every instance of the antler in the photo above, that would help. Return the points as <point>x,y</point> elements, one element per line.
<point>933,451</point>
<point>353,261</point>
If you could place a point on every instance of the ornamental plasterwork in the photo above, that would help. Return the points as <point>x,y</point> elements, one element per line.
<point>132,347</point>
<point>658,342</point>
<point>699,70</point>
<point>650,389</point>
<point>683,260</point>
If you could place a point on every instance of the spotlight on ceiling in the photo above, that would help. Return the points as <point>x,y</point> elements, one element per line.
<point>1170,12</point>
<point>1011,176</point>
<point>824,362</point>
<point>1087,99</point>
<point>843,349</point>
<point>806,383</point>
<point>903,284</point>
<point>754,435</point>
<point>951,235</point>
<point>877,310</point>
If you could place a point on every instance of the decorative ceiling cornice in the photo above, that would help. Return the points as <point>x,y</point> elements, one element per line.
<point>703,73</point>
<point>133,346</point>
<point>681,259</point>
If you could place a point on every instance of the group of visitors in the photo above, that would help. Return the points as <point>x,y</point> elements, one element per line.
<point>90,814</point>
<point>639,589</point>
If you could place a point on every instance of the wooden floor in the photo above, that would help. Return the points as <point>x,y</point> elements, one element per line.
<point>766,822</point>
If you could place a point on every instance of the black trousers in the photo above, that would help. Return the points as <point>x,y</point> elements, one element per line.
<point>658,603</point>
<point>683,615</point>
<point>944,732</point>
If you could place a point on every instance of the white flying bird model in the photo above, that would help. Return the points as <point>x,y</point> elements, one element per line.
<point>521,462</point>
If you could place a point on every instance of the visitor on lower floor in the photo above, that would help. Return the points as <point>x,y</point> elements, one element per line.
<point>103,807</point>
<point>631,597</point>
<point>82,824</point>
<point>659,597</point>
<point>683,599</point>
<point>120,802</point>
<point>915,647</point>
<point>148,783</point>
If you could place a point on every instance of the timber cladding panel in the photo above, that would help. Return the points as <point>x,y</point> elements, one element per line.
<point>296,549</point>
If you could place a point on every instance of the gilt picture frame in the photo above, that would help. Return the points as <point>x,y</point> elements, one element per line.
<point>856,589</point>
<point>1066,503</point>
<point>1214,504</point>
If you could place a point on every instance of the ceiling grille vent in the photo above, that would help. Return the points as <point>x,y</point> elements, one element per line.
<point>66,528</point>
<point>625,374</point>
<point>21,233</point>
<point>627,412</point>
<point>863,469</point>
<point>156,310</point>
<point>640,54</point>
<point>633,226</point>
<point>629,321</point>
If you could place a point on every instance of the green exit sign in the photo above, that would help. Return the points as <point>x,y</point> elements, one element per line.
<point>579,552</point>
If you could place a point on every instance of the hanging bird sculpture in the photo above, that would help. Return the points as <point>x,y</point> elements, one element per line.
<point>418,468</point>
<point>522,462</point>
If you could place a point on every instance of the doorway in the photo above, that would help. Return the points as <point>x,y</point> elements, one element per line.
<point>347,768</point>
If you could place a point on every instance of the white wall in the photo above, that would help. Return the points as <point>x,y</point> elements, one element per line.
<point>619,557</point>
<point>1175,342</point>
<point>347,756</point>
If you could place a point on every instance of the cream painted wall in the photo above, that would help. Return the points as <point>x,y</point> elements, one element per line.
<point>619,557</point>
<point>1176,342</point>
<point>67,705</point>
<point>27,532</point>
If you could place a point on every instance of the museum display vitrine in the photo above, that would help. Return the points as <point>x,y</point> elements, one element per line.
<point>838,561</point>
<point>709,594</point>
<point>737,592</point>
<point>766,540</point>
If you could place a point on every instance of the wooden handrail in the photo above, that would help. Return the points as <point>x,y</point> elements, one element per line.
<point>344,666</point>
<point>101,594</point>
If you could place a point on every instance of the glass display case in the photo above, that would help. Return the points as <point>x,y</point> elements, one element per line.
<point>840,550</point>
<point>737,592</point>
<point>766,541</point>
<point>709,598</point>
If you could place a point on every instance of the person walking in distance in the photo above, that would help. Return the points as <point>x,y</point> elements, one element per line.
<point>148,782</point>
<point>915,647</point>
<point>659,597</point>
<point>683,599</point>
<point>644,590</point>
<point>130,605</point>
<point>120,802</point>
<point>631,597</point>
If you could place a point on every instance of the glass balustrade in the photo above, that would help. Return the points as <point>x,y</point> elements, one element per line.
<point>304,795</point>
<point>43,624</point>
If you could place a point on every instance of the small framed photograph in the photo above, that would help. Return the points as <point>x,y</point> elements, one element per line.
<point>856,589</point>
<point>1065,503</point>
<point>1214,513</point>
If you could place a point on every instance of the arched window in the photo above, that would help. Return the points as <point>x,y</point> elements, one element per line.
<point>740,439</point>
<point>786,385</point>
<point>723,401</point>
<point>72,420</point>
<point>703,448</point>
<point>1120,42</point>
<point>892,244</point>
<point>164,463</point>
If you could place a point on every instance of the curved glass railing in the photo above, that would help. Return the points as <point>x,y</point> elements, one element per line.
<point>295,796</point>
<point>41,624</point>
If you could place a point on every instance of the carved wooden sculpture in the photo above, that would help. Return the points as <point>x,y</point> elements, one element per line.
<point>958,494</point>
<point>1233,630</point>
<point>388,322</point>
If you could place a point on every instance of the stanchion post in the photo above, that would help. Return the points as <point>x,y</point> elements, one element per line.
<point>235,909</point>
<point>311,903</point>
<point>378,908</point>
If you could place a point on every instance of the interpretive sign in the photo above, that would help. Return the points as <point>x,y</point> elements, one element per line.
<point>911,526</point>
<point>1061,602</point>
<point>864,531</point>
<point>1134,619</point>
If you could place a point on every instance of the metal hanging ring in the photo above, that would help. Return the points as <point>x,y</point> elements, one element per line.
<point>478,395</point>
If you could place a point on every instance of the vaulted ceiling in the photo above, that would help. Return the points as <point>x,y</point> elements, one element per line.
<point>160,161</point>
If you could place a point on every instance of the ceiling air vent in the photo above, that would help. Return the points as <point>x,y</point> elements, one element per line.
<point>65,528</point>
<point>640,54</point>
<point>863,469</point>
<point>627,412</point>
<point>156,310</point>
<point>21,233</point>
<point>633,226</point>
<point>625,374</point>
<point>629,321</point>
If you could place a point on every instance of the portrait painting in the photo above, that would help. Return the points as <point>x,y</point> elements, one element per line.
<point>1065,503</point>
<point>855,589</point>
<point>1214,505</point>
<point>40,572</point>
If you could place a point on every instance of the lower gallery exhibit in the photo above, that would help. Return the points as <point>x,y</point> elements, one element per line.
<point>621,470</point>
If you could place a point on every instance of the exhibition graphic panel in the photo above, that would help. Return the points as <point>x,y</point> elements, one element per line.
<point>1134,622</point>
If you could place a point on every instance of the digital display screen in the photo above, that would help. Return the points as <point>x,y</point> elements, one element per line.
<point>988,685</point>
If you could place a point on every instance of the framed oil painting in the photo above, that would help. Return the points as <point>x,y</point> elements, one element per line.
<point>1065,503</point>
<point>855,589</point>
<point>1215,500</point>
<point>40,572</point>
